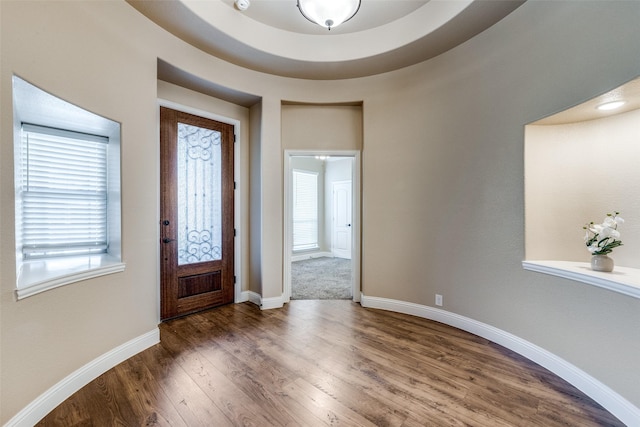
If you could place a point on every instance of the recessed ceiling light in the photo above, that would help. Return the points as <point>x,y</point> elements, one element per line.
<point>607,106</point>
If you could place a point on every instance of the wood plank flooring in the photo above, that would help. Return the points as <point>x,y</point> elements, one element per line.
<point>324,363</point>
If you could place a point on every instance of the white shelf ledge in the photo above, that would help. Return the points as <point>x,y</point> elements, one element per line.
<point>623,280</point>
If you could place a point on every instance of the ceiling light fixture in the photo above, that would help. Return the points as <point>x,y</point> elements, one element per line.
<point>328,13</point>
<point>607,106</point>
<point>242,4</point>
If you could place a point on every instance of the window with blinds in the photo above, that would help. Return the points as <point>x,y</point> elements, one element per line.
<point>64,192</point>
<point>305,210</point>
<point>68,210</point>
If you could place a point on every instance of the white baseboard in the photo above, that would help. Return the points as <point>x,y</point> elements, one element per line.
<point>617,405</point>
<point>242,297</point>
<point>302,257</point>
<point>57,394</point>
<point>265,303</point>
<point>270,303</point>
<point>255,298</point>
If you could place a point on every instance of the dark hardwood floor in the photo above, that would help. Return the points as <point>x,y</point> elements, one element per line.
<point>319,363</point>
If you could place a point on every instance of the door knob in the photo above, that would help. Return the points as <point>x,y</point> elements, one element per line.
<point>167,240</point>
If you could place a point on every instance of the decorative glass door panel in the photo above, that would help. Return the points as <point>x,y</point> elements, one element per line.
<point>199,195</point>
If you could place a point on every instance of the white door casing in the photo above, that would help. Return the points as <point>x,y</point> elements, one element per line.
<point>355,216</point>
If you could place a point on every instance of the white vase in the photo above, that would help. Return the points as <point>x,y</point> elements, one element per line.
<point>601,263</point>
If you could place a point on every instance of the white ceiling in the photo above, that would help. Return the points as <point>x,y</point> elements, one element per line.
<point>284,14</point>
<point>272,36</point>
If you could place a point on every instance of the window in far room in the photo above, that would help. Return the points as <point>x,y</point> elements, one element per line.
<point>305,210</point>
<point>67,176</point>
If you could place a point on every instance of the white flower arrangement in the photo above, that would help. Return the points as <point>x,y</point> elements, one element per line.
<point>602,238</point>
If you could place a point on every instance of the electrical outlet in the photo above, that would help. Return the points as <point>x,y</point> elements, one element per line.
<point>439,300</point>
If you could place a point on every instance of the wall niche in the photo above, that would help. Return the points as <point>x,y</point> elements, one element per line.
<point>581,164</point>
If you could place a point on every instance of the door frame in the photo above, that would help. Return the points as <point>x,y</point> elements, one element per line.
<point>355,213</point>
<point>237,199</point>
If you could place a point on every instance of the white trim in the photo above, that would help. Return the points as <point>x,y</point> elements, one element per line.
<point>356,217</point>
<point>271,303</point>
<point>237,178</point>
<point>242,297</point>
<point>310,255</point>
<point>158,219</point>
<point>197,112</point>
<point>617,405</point>
<point>57,394</point>
<point>67,279</point>
<point>265,303</point>
<point>254,298</point>
<point>237,208</point>
<point>287,239</point>
<point>355,212</point>
<point>623,280</point>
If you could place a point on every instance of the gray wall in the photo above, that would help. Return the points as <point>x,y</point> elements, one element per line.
<point>442,166</point>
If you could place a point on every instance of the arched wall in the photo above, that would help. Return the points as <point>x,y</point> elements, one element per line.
<point>442,165</point>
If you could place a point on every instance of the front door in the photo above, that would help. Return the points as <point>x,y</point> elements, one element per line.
<point>196,213</point>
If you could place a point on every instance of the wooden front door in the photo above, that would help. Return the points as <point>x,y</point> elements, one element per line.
<point>196,213</point>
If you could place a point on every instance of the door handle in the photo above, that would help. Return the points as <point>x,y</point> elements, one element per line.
<point>348,225</point>
<point>167,240</point>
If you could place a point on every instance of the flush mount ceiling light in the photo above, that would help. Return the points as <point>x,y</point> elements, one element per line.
<point>607,106</point>
<point>328,13</point>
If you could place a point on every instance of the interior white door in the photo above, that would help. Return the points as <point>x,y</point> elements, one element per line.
<point>341,227</point>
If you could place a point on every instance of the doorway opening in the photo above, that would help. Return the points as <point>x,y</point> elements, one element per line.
<point>322,225</point>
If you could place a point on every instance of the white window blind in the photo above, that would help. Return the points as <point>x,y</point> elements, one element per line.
<point>64,192</point>
<point>305,210</point>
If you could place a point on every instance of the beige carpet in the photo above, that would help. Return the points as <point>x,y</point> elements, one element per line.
<point>321,278</point>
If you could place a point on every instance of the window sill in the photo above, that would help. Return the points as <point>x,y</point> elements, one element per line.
<point>306,249</point>
<point>41,275</point>
<point>624,280</point>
